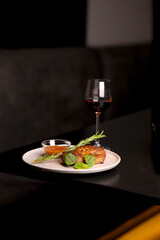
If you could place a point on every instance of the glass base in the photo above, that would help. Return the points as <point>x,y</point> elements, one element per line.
<point>97,144</point>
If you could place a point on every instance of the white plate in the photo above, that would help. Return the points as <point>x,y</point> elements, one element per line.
<point>55,165</point>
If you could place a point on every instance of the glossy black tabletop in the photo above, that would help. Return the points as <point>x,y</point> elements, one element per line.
<point>128,188</point>
<point>129,136</point>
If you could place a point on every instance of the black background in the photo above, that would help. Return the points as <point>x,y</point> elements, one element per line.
<point>58,24</point>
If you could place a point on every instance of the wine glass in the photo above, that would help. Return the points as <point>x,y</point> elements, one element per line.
<point>98,98</point>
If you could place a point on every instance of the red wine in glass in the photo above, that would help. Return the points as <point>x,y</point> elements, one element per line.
<point>100,106</point>
<point>98,98</point>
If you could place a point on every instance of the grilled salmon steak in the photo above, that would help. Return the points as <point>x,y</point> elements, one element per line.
<point>81,152</point>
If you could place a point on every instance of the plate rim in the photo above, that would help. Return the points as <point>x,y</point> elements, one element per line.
<point>74,171</point>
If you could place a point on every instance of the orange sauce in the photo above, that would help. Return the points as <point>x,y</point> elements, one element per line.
<point>54,149</point>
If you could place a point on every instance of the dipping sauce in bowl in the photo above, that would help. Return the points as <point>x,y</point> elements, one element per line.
<point>55,146</point>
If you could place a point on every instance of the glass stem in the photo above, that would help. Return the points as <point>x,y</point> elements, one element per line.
<point>97,126</point>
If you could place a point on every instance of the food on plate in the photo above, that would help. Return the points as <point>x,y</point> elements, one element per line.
<point>80,153</point>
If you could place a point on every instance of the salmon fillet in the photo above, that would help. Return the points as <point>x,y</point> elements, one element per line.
<point>80,153</point>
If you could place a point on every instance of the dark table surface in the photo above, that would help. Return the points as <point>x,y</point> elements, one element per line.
<point>129,136</point>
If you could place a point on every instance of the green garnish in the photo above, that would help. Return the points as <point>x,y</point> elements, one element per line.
<point>80,165</point>
<point>45,157</point>
<point>70,159</point>
<point>80,144</point>
<point>90,160</point>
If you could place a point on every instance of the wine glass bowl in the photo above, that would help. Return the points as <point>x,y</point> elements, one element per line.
<point>98,98</point>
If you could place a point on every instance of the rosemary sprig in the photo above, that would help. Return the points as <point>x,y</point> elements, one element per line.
<point>86,141</point>
<point>45,157</point>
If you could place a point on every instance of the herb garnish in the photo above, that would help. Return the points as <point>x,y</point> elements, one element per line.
<point>70,159</point>
<point>90,160</point>
<point>81,165</point>
<point>45,157</point>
